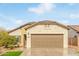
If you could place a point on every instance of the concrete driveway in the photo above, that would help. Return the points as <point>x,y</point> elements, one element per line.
<point>50,52</point>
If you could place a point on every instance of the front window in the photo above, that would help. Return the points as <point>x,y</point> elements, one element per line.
<point>18,38</point>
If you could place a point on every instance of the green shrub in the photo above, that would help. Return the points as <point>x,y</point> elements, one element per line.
<point>11,46</point>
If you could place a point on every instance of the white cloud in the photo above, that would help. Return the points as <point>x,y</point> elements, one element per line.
<point>70,15</point>
<point>18,21</point>
<point>71,4</point>
<point>65,22</point>
<point>74,16</point>
<point>42,8</point>
<point>10,20</point>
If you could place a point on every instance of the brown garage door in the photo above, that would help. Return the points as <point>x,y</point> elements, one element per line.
<point>47,41</point>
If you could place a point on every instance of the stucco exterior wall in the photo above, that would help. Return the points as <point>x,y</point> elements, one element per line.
<point>16,32</point>
<point>21,33</point>
<point>43,29</point>
<point>72,33</point>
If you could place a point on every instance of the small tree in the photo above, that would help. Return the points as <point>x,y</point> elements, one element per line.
<point>3,36</point>
<point>6,39</point>
<point>10,41</point>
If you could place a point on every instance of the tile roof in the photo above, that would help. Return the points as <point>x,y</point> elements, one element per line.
<point>75,27</point>
<point>27,24</point>
<point>31,24</point>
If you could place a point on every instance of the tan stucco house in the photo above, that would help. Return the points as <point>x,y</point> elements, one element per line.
<point>42,34</point>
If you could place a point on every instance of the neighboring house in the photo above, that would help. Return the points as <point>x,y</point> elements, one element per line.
<point>73,35</point>
<point>42,34</point>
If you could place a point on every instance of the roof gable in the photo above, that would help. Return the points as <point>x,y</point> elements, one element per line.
<point>46,22</point>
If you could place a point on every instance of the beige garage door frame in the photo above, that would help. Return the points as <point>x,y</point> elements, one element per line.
<point>47,40</point>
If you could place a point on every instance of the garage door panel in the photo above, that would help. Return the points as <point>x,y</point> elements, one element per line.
<point>47,41</point>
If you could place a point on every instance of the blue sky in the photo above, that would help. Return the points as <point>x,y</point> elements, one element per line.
<point>14,15</point>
